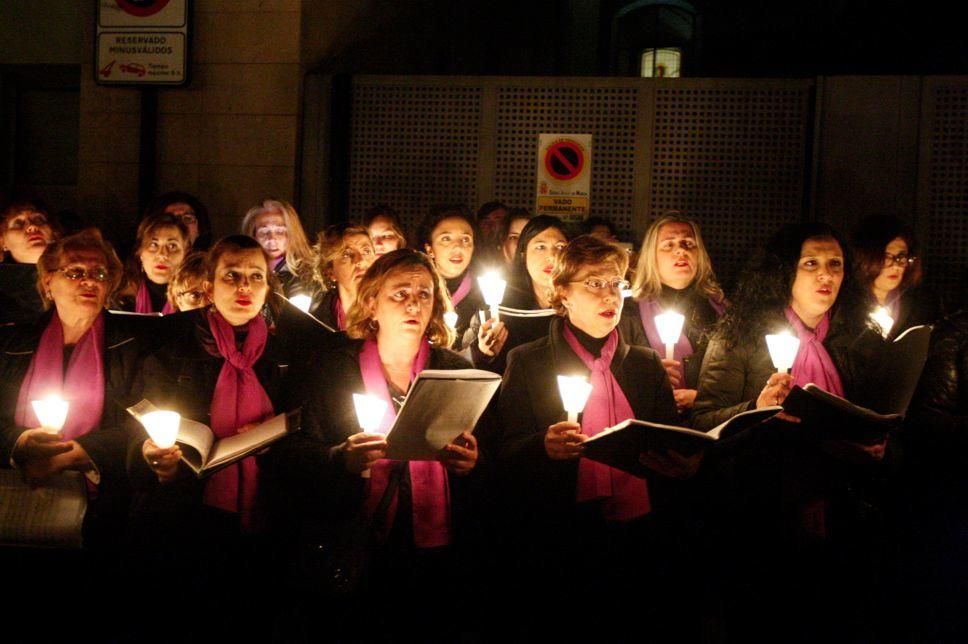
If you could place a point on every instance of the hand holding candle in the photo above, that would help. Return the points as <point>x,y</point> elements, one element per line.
<point>51,412</point>
<point>162,427</point>
<point>492,288</point>
<point>783,350</point>
<point>669,325</point>
<point>359,448</point>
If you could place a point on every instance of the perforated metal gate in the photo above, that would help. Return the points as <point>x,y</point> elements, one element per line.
<point>730,153</point>
<point>944,186</point>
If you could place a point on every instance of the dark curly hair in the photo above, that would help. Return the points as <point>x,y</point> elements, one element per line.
<point>764,287</point>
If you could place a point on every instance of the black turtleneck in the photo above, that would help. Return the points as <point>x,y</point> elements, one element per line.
<point>158,294</point>
<point>454,283</point>
<point>591,344</point>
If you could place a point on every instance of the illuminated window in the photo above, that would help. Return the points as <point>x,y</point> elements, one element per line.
<point>661,63</point>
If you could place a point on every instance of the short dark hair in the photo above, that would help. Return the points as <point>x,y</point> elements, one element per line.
<point>870,239</point>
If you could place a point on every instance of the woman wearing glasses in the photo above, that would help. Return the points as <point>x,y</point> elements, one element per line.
<point>674,273</point>
<point>447,235</point>
<point>580,528</point>
<point>344,252</point>
<point>25,231</point>
<point>889,270</point>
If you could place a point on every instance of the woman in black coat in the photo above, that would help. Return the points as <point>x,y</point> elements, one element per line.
<point>675,273</point>
<point>230,372</point>
<point>798,503</point>
<point>416,510</point>
<point>570,538</point>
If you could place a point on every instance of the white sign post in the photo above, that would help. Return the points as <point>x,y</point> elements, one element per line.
<point>142,42</point>
<point>564,176</point>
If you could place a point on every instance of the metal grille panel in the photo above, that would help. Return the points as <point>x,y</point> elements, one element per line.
<point>733,159</point>
<point>608,113</point>
<point>947,190</point>
<point>413,146</point>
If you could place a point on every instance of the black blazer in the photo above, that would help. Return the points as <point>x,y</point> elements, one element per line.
<point>19,300</point>
<point>317,482</point>
<point>530,402</point>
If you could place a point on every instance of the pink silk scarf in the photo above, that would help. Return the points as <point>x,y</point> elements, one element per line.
<point>142,302</point>
<point>624,497</point>
<point>813,363</point>
<point>430,490</point>
<point>462,290</point>
<point>82,386</point>
<point>239,399</point>
<point>338,313</point>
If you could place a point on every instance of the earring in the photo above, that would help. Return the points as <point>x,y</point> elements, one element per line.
<point>48,295</point>
<point>372,325</point>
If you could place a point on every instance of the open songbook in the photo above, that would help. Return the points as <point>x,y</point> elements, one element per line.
<point>835,417</point>
<point>50,516</point>
<point>206,454</point>
<point>620,446</point>
<point>440,405</point>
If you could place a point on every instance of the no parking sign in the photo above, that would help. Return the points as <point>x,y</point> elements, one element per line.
<point>564,176</point>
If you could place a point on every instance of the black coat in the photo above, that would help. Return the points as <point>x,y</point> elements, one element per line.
<point>126,340</point>
<point>530,403</point>
<point>19,300</point>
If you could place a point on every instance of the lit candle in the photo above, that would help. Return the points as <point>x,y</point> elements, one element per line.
<point>51,412</point>
<point>492,288</point>
<point>882,318</point>
<point>783,350</point>
<point>369,414</point>
<point>301,302</point>
<point>574,392</point>
<point>162,426</point>
<point>669,325</point>
<point>450,319</point>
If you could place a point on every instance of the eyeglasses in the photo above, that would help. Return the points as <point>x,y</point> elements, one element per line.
<point>187,217</point>
<point>34,219</point>
<point>193,297</point>
<point>901,259</point>
<point>76,273</point>
<point>598,284</point>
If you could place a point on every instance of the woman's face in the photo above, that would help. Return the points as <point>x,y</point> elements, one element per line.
<point>540,255</point>
<point>384,238</point>
<point>272,234</point>
<point>350,265</point>
<point>79,287</point>
<point>511,241</point>
<point>186,214</point>
<point>676,253</point>
<point>892,274</point>
<point>820,272</point>
<point>161,253</point>
<point>594,310</point>
<point>451,246</point>
<point>240,286</point>
<point>27,235</point>
<point>404,304</point>
<point>191,295</point>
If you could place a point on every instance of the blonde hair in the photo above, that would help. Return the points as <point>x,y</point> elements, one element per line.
<point>330,244</point>
<point>300,258</point>
<point>582,251</point>
<point>647,283</point>
<point>359,322</point>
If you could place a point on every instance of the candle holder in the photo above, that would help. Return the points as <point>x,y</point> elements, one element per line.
<point>450,319</point>
<point>51,412</point>
<point>301,302</point>
<point>492,288</point>
<point>882,318</point>
<point>574,392</point>
<point>162,426</point>
<point>369,414</point>
<point>669,325</point>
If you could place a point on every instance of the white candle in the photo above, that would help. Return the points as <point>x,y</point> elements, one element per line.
<point>783,350</point>
<point>301,302</point>
<point>162,426</point>
<point>51,412</point>
<point>450,319</point>
<point>574,392</point>
<point>492,288</point>
<point>669,325</point>
<point>369,414</point>
<point>882,318</point>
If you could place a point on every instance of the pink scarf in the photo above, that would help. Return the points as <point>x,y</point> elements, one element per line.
<point>338,313</point>
<point>462,290</point>
<point>142,302</point>
<point>648,309</point>
<point>82,386</point>
<point>238,399</point>
<point>429,489</point>
<point>813,363</point>
<point>624,497</point>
